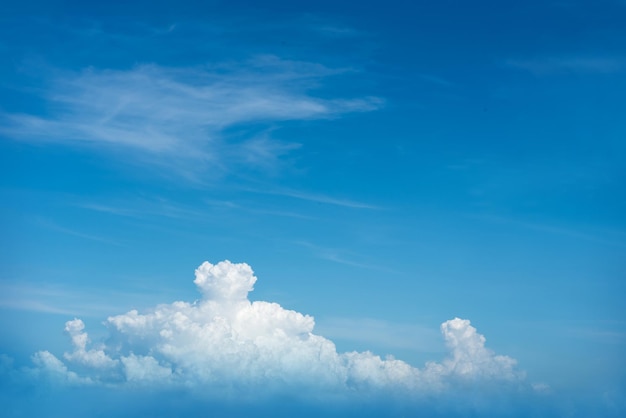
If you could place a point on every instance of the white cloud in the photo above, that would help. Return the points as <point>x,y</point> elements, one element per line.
<point>225,281</point>
<point>177,116</point>
<point>95,358</point>
<point>145,369</point>
<point>469,357</point>
<point>228,343</point>
<point>50,366</point>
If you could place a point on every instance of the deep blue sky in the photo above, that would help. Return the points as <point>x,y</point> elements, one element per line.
<point>382,166</point>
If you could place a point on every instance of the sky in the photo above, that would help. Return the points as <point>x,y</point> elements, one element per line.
<point>398,208</point>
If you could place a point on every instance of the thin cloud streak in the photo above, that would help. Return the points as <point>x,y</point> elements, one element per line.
<point>317,198</point>
<point>157,207</point>
<point>142,208</point>
<point>40,297</point>
<point>337,255</point>
<point>57,228</point>
<point>31,296</point>
<point>35,306</point>
<point>255,209</point>
<point>327,199</point>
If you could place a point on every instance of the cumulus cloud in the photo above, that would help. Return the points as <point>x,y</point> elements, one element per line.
<point>229,344</point>
<point>94,357</point>
<point>48,365</point>
<point>469,357</point>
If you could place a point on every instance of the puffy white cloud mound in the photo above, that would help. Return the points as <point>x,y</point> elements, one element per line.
<point>469,357</point>
<point>227,343</point>
<point>92,358</point>
<point>225,281</point>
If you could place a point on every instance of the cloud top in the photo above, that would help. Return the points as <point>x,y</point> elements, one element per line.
<point>469,356</point>
<point>226,343</point>
<point>225,281</point>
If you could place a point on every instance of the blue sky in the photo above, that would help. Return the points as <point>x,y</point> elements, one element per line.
<point>383,167</point>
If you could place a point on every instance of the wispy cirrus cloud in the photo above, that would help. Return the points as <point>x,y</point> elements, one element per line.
<point>342,256</point>
<point>177,116</point>
<point>69,231</point>
<point>313,197</point>
<point>37,295</point>
<point>51,299</point>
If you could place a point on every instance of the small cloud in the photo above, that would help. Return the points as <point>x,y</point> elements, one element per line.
<point>317,198</point>
<point>95,357</point>
<point>469,355</point>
